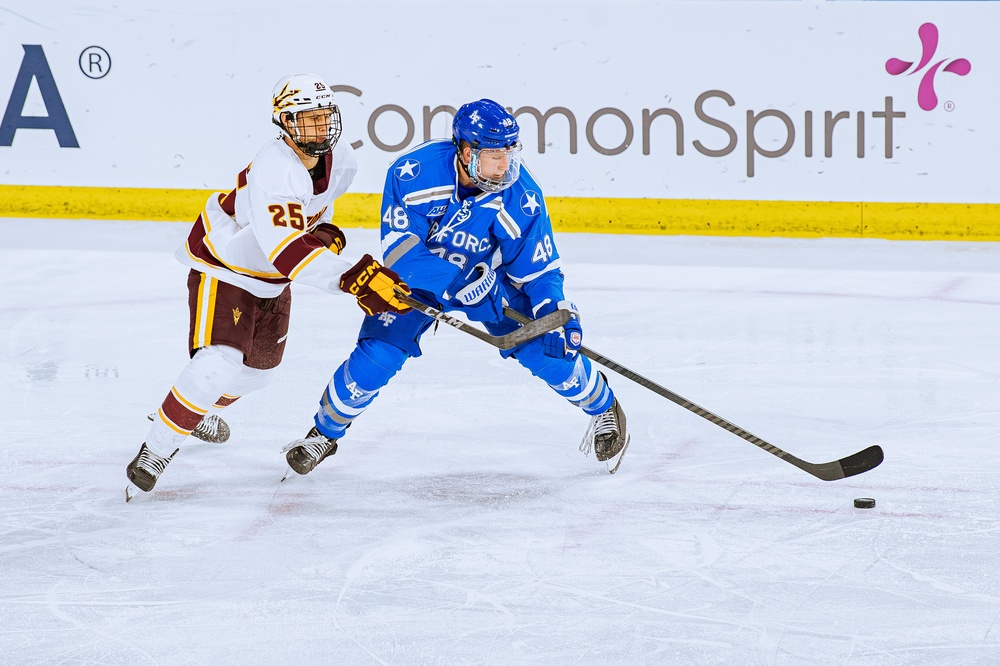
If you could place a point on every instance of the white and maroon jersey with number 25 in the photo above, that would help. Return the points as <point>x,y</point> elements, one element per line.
<point>257,236</point>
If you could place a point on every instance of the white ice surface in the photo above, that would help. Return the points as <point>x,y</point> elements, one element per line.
<point>458,523</point>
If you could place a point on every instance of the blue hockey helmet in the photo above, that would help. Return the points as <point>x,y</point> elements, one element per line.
<point>487,126</point>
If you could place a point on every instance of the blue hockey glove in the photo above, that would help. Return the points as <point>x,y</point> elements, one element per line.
<point>565,342</point>
<point>479,292</point>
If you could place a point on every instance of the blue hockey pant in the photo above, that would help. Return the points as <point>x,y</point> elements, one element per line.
<point>375,360</point>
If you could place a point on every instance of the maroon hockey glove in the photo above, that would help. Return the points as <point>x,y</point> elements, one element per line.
<point>375,286</point>
<point>331,236</point>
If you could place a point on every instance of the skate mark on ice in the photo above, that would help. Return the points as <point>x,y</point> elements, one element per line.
<point>477,488</point>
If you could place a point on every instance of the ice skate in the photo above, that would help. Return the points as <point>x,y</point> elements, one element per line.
<point>303,455</point>
<point>608,436</point>
<point>145,469</point>
<point>211,429</point>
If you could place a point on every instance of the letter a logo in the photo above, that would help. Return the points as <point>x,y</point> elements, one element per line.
<point>35,66</point>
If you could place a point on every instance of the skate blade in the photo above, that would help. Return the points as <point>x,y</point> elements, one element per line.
<point>131,490</point>
<point>288,472</point>
<point>615,461</point>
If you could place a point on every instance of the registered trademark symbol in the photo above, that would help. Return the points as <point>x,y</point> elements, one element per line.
<point>949,106</point>
<point>95,63</point>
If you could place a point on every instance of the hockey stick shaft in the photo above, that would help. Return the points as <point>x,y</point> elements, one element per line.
<point>532,328</point>
<point>857,463</point>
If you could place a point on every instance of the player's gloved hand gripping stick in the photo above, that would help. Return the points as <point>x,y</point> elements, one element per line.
<point>531,329</point>
<point>857,463</point>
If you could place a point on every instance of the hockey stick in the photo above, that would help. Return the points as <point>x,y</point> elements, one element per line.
<point>531,328</point>
<point>856,463</point>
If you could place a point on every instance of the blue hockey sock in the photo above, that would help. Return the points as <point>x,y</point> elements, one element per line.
<point>575,379</point>
<point>586,388</point>
<point>356,384</point>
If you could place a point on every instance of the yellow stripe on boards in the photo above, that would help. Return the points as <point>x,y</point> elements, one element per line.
<point>157,205</point>
<point>705,217</point>
<point>910,221</point>
<point>797,219</point>
<point>791,219</point>
<point>106,203</point>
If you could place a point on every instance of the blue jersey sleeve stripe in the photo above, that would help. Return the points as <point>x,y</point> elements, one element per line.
<point>509,224</point>
<point>528,278</point>
<point>401,248</point>
<point>432,194</point>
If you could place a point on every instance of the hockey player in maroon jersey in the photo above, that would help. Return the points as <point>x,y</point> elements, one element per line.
<point>244,250</point>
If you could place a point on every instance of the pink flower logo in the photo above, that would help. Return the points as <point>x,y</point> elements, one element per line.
<point>926,97</point>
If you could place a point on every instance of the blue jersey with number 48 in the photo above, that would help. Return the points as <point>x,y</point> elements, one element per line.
<point>433,229</point>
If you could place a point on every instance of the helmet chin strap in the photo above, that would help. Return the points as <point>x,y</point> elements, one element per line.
<point>314,148</point>
<point>465,167</point>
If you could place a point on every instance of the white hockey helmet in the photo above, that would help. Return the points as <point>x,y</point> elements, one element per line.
<point>303,107</point>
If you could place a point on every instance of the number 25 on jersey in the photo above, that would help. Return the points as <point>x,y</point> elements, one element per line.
<point>293,213</point>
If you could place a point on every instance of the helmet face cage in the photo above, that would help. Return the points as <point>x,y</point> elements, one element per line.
<point>304,109</point>
<point>487,126</point>
<point>314,131</point>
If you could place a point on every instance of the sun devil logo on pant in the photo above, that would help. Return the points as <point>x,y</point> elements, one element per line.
<point>236,316</point>
<point>926,96</point>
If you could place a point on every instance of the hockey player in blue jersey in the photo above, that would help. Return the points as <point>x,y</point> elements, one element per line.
<point>466,227</point>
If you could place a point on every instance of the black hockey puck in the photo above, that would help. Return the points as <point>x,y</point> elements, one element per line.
<point>864,503</point>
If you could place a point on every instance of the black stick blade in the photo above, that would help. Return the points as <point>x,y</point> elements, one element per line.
<point>854,464</point>
<point>862,461</point>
